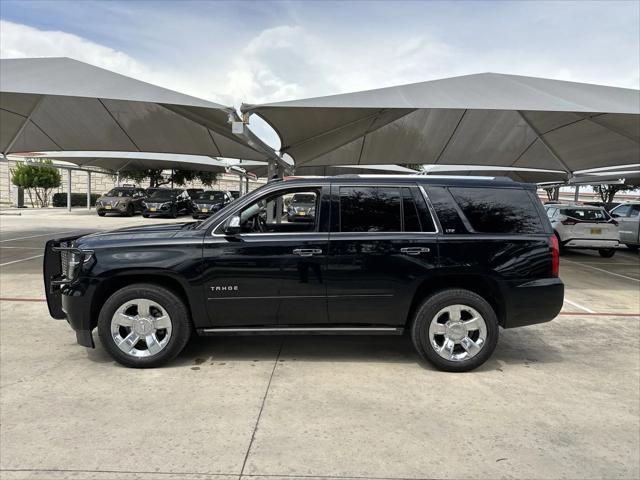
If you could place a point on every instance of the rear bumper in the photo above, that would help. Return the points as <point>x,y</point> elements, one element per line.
<point>591,243</point>
<point>533,302</point>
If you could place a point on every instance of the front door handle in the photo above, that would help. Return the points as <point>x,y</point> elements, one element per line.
<point>415,250</point>
<point>307,252</point>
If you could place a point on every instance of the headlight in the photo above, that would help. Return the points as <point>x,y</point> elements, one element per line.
<point>74,264</point>
<point>98,203</point>
<point>144,204</point>
<point>165,205</point>
<point>312,211</point>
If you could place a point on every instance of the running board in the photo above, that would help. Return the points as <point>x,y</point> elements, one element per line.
<point>302,331</point>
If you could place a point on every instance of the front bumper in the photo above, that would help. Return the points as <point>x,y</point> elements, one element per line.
<point>121,209</point>
<point>533,302</point>
<point>67,299</point>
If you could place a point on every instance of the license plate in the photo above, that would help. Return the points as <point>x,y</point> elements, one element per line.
<point>108,207</point>
<point>596,231</point>
<point>302,214</point>
<point>152,209</point>
<point>204,210</point>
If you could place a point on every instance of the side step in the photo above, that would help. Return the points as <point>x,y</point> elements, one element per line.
<point>301,331</point>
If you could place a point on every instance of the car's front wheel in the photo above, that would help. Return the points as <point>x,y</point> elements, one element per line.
<point>456,330</point>
<point>607,252</point>
<point>144,325</point>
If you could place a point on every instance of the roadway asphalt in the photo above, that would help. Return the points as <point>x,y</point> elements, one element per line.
<point>558,400</point>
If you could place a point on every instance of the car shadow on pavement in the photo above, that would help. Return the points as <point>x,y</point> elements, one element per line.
<point>514,348</point>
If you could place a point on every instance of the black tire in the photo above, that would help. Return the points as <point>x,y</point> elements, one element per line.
<point>607,252</point>
<point>428,310</point>
<point>130,211</point>
<point>145,215</point>
<point>101,214</point>
<point>174,212</point>
<point>633,248</point>
<point>181,326</point>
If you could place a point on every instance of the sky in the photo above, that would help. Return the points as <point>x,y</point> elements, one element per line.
<point>261,51</point>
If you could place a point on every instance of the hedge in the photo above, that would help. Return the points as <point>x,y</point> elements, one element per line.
<point>77,199</point>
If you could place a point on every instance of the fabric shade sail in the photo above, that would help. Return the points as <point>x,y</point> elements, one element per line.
<point>65,105</point>
<point>483,119</point>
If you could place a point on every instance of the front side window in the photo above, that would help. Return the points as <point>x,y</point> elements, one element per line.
<point>279,213</point>
<point>498,210</point>
<point>370,209</point>
<point>635,211</point>
<point>621,210</point>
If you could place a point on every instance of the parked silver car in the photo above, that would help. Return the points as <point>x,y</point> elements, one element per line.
<point>628,217</point>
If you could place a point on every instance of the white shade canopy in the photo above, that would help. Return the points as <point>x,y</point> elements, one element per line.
<point>484,119</point>
<point>65,105</point>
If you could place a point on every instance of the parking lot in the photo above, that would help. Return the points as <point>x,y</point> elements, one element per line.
<point>557,400</point>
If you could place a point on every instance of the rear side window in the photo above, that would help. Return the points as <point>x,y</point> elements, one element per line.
<point>369,209</point>
<point>446,210</point>
<point>586,214</point>
<point>498,210</point>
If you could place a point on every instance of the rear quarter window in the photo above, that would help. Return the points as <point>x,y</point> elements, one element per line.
<point>498,210</point>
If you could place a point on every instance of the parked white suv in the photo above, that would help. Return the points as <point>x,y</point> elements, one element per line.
<point>584,227</point>
<point>628,216</point>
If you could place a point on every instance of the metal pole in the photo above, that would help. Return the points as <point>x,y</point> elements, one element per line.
<point>576,195</point>
<point>69,189</point>
<point>240,185</point>
<point>118,178</point>
<point>89,190</point>
<point>246,184</point>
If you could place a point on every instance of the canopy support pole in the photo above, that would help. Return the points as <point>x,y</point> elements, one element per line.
<point>88,189</point>
<point>551,150</point>
<point>576,195</point>
<point>246,184</point>
<point>68,189</point>
<point>240,184</point>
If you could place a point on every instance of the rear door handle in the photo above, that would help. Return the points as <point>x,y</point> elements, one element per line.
<point>307,252</point>
<point>414,250</point>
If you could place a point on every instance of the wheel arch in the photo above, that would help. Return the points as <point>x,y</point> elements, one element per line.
<point>159,278</point>
<point>482,284</point>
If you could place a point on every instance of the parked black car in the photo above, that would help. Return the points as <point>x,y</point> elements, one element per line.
<point>447,260</point>
<point>167,202</point>
<point>208,202</point>
<point>121,200</point>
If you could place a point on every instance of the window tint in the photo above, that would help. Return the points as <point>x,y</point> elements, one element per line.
<point>498,210</point>
<point>622,210</point>
<point>635,211</point>
<point>446,211</point>
<point>369,209</point>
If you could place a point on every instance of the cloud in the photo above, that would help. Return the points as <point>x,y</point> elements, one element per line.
<point>20,41</point>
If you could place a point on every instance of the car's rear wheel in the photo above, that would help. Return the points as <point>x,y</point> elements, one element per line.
<point>607,252</point>
<point>174,212</point>
<point>456,330</point>
<point>144,325</point>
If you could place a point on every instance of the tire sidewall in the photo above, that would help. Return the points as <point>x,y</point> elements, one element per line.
<point>427,311</point>
<point>174,306</point>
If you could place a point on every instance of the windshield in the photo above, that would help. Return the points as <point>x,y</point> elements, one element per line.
<point>119,192</point>
<point>210,196</point>
<point>303,198</point>
<point>586,214</point>
<point>164,193</point>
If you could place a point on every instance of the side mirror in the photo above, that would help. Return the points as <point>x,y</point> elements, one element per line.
<point>232,225</point>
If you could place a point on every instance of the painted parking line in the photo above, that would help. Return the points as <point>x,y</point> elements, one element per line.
<point>24,248</point>
<point>603,271</point>
<point>577,305</point>
<point>36,236</point>
<point>600,314</point>
<point>18,299</point>
<point>21,260</point>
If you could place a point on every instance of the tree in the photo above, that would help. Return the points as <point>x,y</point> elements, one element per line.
<point>179,177</point>
<point>608,192</point>
<point>552,193</point>
<point>39,178</point>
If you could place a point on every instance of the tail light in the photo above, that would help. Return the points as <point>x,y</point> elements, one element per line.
<point>555,256</point>
<point>569,221</point>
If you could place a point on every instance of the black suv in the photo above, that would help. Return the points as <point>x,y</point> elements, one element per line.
<point>167,202</point>
<point>209,202</point>
<point>446,259</point>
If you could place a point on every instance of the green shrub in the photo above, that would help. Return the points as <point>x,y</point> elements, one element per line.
<point>38,178</point>
<point>77,199</point>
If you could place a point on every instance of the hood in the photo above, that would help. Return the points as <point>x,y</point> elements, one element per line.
<point>133,234</point>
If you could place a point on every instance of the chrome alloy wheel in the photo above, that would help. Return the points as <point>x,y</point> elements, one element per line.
<point>141,327</point>
<point>457,333</point>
